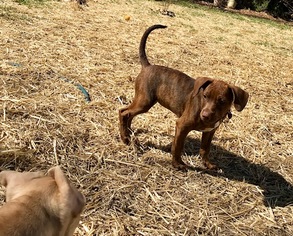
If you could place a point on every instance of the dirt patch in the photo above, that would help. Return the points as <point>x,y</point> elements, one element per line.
<point>45,119</point>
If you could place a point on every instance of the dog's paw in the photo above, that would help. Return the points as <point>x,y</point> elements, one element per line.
<point>180,166</point>
<point>126,140</point>
<point>210,166</point>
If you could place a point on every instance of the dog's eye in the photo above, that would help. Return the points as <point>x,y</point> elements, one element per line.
<point>205,96</point>
<point>222,101</point>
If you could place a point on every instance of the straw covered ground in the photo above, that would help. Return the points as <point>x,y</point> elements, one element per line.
<point>48,50</point>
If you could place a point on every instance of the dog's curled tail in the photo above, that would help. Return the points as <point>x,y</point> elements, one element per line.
<point>142,55</point>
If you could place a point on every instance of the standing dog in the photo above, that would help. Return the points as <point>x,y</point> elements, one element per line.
<point>201,104</point>
<point>39,205</point>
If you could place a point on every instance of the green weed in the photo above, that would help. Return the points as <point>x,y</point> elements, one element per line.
<point>31,2</point>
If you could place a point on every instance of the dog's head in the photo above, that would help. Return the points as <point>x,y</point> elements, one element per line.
<point>52,192</point>
<point>217,97</point>
<point>18,184</point>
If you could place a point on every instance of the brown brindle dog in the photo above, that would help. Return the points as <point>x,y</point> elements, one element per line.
<point>201,104</point>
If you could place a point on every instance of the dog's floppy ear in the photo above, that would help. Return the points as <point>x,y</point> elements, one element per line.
<point>240,97</point>
<point>201,83</point>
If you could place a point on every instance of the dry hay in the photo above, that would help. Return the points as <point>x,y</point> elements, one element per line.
<point>45,120</point>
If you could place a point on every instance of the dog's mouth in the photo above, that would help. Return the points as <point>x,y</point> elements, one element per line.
<point>212,124</point>
<point>209,122</point>
<point>209,126</point>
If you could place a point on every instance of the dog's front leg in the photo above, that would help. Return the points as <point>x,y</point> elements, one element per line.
<point>205,146</point>
<point>178,143</point>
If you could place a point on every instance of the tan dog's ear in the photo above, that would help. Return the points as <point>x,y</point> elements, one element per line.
<point>72,198</point>
<point>201,82</point>
<point>240,97</point>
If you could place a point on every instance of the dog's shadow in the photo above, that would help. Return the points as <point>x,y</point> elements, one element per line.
<point>277,191</point>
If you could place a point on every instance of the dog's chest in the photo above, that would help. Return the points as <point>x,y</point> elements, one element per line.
<point>211,128</point>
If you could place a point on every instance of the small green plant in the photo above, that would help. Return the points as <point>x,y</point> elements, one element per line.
<point>31,2</point>
<point>5,12</point>
<point>261,5</point>
<point>11,13</point>
<point>270,22</point>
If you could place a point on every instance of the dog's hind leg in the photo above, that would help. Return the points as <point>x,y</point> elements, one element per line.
<point>126,115</point>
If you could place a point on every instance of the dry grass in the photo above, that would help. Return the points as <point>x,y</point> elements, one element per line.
<point>45,120</point>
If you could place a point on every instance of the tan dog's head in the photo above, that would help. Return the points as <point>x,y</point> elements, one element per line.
<point>51,193</point>
<point>16,183</point>
<point>217,98</point>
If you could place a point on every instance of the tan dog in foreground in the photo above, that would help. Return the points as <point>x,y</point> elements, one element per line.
<point>201,104</point>
<point>39,205</point>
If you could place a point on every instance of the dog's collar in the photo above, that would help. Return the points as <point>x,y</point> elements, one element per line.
<point>229,114</point>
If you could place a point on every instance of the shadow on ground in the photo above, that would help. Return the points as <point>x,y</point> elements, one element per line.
<point>277,191</point>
